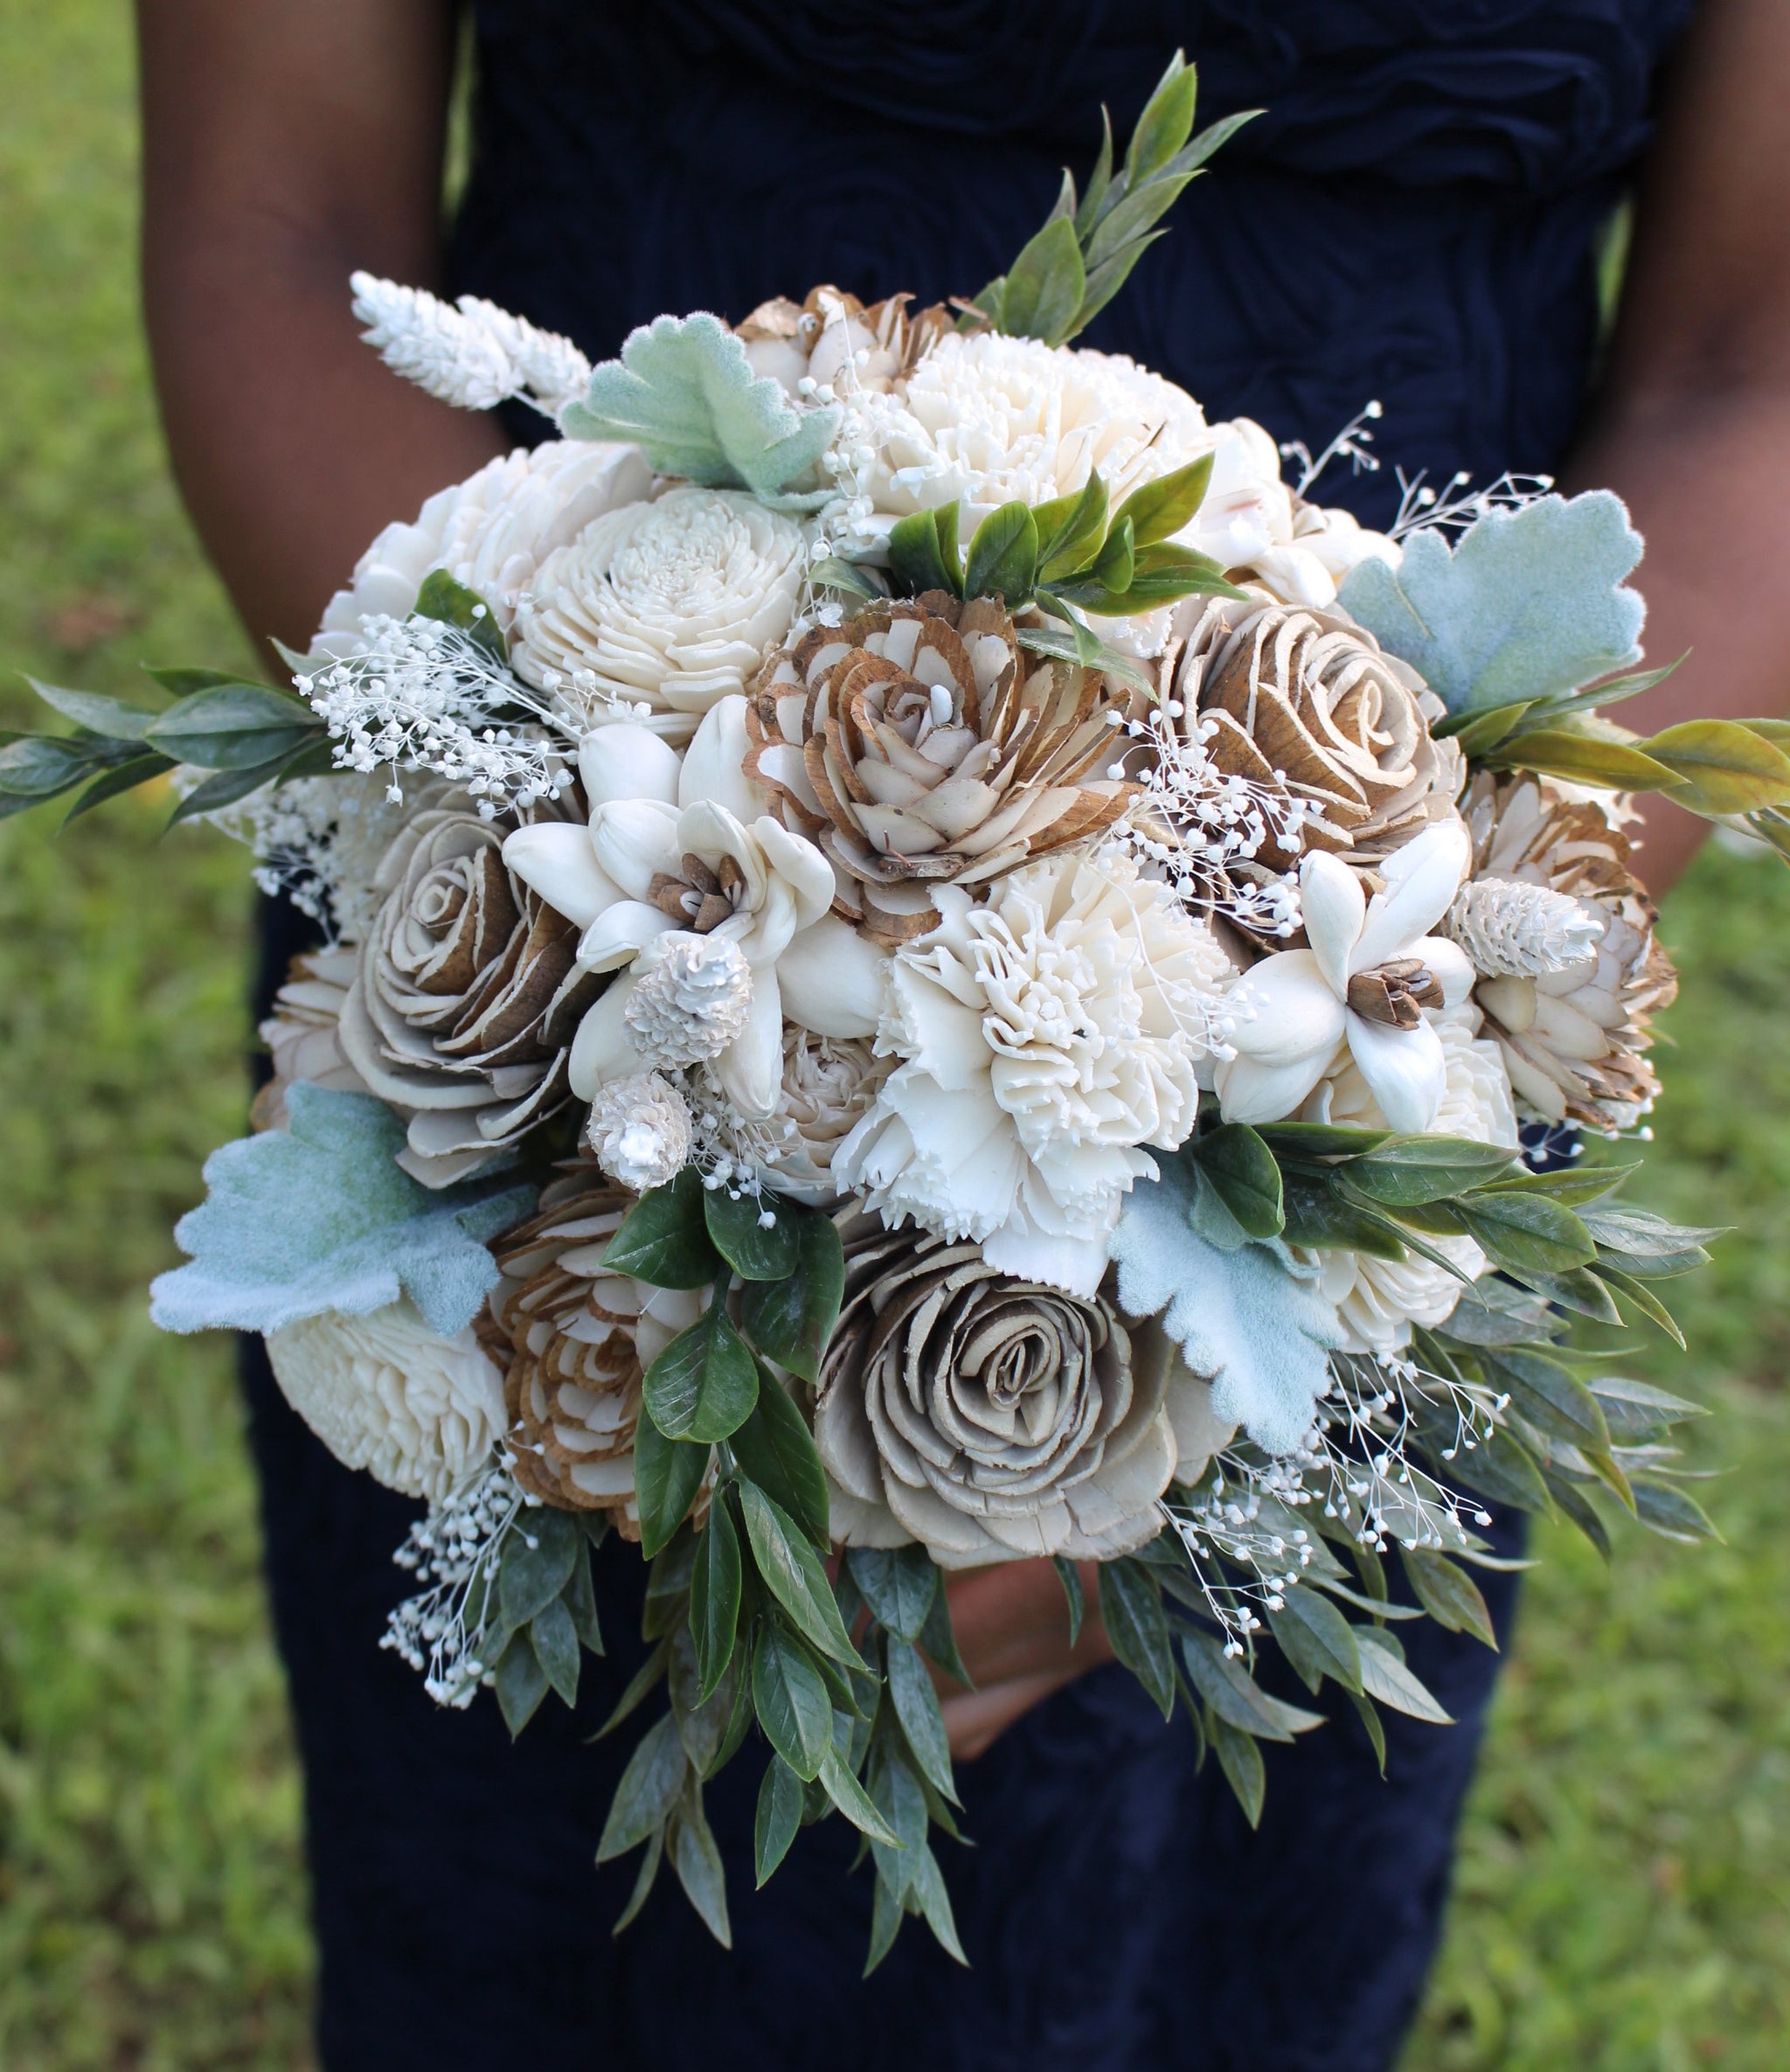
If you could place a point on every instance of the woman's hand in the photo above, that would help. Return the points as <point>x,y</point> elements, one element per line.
<point>1012,1628</point>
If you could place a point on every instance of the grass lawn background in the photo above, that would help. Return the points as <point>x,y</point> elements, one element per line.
<point>1623,1898</point>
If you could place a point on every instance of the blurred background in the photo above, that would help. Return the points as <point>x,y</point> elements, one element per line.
<point>1623,1897</point>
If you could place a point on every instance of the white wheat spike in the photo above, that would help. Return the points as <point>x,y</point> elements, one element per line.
<point>1511,929</point>
<point>475,355</point>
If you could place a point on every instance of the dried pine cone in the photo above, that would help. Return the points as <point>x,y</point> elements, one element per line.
<point>467,997</point>
<point>1573,1039</point>
<point>919,744</point>
<point>1305,703</point>
<point>574,1341</point>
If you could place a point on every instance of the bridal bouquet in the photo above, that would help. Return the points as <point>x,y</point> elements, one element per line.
<point>925,960</point>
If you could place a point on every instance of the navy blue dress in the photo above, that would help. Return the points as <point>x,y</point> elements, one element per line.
<point>1414,220</point>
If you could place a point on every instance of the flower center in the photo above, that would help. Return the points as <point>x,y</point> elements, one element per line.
<point>1395,994</point>
<point>700,899</point>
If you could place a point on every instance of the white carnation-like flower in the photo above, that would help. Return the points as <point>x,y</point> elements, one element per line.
<point>1379,1300</point>
<point>671,603</point>
<point>418,1412</point>
<point>490,532</point>
<point>640,1131</point>
<point>1045,1038</point>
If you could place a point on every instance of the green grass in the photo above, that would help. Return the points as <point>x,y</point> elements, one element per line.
<point>1624,1894</point>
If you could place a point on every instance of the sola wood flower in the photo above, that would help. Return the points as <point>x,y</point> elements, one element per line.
<point>418,1410</point>
<point>983,1416</point>
<point>831,339</point>
<point>1573,1038</point>
<point>573,1341</point>
<point>672,602</point>
<point>829,1084</point>
<point>1045,1038</point>
<point>1304,702</point>
<point>1377,1301</point>
<point>640,1131</point>
<point>694,907</point>
<point>918,747</point>
<point>466,997</point>
<point>1371,969</point>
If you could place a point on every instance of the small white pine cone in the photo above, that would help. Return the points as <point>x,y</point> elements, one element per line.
<point>640,1131</point>
<point>445,352</point>
<point>691,996</point>
<point>1511,929</point>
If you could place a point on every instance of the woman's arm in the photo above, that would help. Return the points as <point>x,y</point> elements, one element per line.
<point>1692,426</point>
<point>285,143</point>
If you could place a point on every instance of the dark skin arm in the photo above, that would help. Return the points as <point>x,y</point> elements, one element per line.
<point>286,145</point>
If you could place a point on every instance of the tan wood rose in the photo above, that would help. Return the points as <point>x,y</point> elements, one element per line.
<point>1306,703</point>
<point>573,1342</point>
<point>919,744</point>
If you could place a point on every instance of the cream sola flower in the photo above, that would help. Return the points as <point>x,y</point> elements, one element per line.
<point>1371,970</point>
<point>671,603</point>
<point>490,532</point>
<point>694,897</point>
<point>990,420</point>
<point>1045,1038</point>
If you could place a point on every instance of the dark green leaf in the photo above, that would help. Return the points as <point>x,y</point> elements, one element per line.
<point>581,1600</point>
<point>644,1881</point>
<point>1162,574</point>
<point>844,1789</point>
<point>792,1573</point>
<point>1448,1594</point>
<point>667,1475</point>
<point>779,1816</point>
<point>791,1701</point>
<point>1243,1172</point>
<point>126,776</point>
<point>1634,1410</point>
<point>754,1252</point>
<point>917,1708</point>
<point>1165,124</point>
<point>1316,1215</point>
<point>1164,507</point>
<point>939,1643</point>
<point>1241,1760</point>
<point>1131,1605</point>
<point>1099,182</point>
<point>1553,1400</point>
<point>900,1797</point>
<point>774,1448</point>
<point>714,1598</point>
<point>1406,1172</point>
<point>915,558</point>
<point>1315,1638</point>
<point>1004,556</point>
<point>640,1687</point>
<point>1665,1509</point>
<point>1527,1232</point>
<point>649,1790</point>
<point>521,1683</point>
<point>790,1321</point>
<point>1571,1502</point>
<point>453,604</point>
<point>886,1916</point>
<point>226,785</point>
<point>1572,1188</point>
<point>853,578</point>
<point>1044,285</point>
<point>1077,642</point>
<point>698,1862</point>
<point>38,766</point>
<point>1319,1140</point>
<point>1557,752</point>
<point>1234,1695</point>
<point>703,1717</point>
<point>1370,1719</point>
<point>232,726</point>
<point>1070,529</point>
<point>182,682</point>
<point>1385,1676</point>
<point>1500,1470</point>
<point>1070,1576</point>
<point>899,1584</point>
<point>1580,1291</point>
<point>1113,567</point>
<point>664,1238</point>
<point>537,1562</point>
<point>703,1385</point>
<point>108,716</point>
<point>555,1641</point>
<point>1478,733</point>
<point>1644,1299</point>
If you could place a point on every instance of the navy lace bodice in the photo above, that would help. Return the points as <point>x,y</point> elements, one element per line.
<point>1413,220</point>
